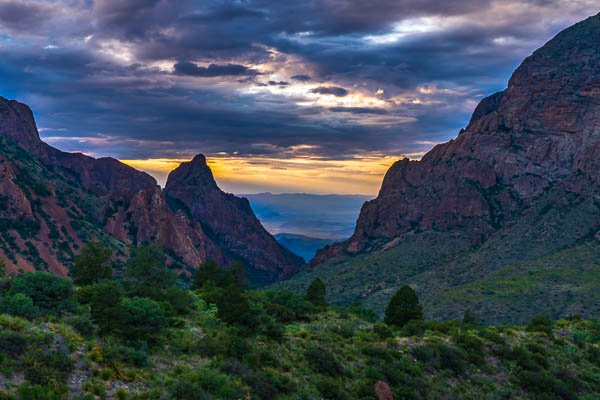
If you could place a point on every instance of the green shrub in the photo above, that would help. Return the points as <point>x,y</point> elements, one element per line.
<point>82,324</point>
<point>19,305</point>
<point>50,293</point>
<point>473,347</point>
<point>439,355</point>
<point>382,330</point>
<point>13,344</point>
<point>140,318</point>
<point>37,392</point>
<point>541,323</point>
<point>47,367</point>
<point>331,389</point>
<point>323,361</point>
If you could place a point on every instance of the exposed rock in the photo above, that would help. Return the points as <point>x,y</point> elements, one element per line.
<point>53,202</point>
<point>383,391</point>
<point>229,220</point>
<point>541,133</point>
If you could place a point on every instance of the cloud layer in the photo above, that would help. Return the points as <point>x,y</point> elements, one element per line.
<point>264,80</point>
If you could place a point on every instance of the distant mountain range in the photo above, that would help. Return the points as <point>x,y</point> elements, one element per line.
<point>318,216</point>
<point>505,219</point>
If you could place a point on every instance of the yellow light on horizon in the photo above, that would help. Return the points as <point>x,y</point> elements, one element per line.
<point>359,175</point>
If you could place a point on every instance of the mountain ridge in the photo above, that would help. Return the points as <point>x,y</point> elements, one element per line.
<point>73,198</point>
<point>518,185</point>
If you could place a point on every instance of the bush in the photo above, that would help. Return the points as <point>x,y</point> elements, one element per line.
<point>288,306</point>
<point>37,392</point>
<point>82,324</point>
<point>323,361</point>
<point>13,344</point>
<point>331,389</point>
<point>47,367</point>
<point>541,323</point>
<point>382,330</point>
<point>141,318</point>
<point>473,347</point>
<point>403,307</point>
<point>439,355</point>
<point>50,293</point>
<point>19,305</point>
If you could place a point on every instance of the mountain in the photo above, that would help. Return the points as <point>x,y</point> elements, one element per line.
<point>505,219</point>
<point>53,202</point>
<point>230,221</point>
<point>304,246</point>
<point>329,216</point>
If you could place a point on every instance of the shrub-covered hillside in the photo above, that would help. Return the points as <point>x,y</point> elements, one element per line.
<point>140,336</point>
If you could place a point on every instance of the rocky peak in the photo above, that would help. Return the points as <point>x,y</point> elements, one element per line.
<point>230,221</point>
<point>542,133</point>
<point>194,173</point>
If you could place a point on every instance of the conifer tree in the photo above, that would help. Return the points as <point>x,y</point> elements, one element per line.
<point>403,307</point>
<point>316,293</point>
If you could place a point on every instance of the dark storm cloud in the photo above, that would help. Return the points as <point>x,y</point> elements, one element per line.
<point>213,70</point>
<point>118,72</point>
<point>301,78</point>
<point>358,110</point>
<point>334,90</point>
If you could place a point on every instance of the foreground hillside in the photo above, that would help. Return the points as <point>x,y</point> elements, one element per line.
<point>143,337</point>
<point>504,219</point>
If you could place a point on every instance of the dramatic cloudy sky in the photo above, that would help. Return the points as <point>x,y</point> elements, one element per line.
<point>316,96</point>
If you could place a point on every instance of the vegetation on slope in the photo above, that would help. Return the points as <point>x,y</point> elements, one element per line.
<point>126,339</point>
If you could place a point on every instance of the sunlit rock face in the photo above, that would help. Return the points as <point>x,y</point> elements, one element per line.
<point>538,139</point>
<point>53,202</point>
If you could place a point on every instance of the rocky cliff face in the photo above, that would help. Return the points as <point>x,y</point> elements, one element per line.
<point>51,202</point>
<point>541,135</point>
<point>229,220</point>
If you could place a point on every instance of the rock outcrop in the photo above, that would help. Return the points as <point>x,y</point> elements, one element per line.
<point>52,202</point>
<point>229,221</point>
<point>540,135</point>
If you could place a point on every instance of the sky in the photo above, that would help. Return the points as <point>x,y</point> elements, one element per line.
<point>318,96</point>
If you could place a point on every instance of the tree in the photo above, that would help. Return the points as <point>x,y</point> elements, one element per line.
<point>92,264</point>
<point>104,299</point>
<point>316,293</point>
<point>2,269</point>
<point>210,271</point>
<point>147,268</point>
<point>50,293</point>
<point>403,307</point>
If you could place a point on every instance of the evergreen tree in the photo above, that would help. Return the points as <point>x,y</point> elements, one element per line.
<point>208,271</point>
<point>316,293</point>
<point>92,264</point>
<point>2,269</point>
<point>403,307</point>
<point>147,268</point>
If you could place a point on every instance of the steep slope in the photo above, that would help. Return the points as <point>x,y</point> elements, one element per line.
<point>52,202</point>
<point>519,183</point>
<point>230,221</point>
